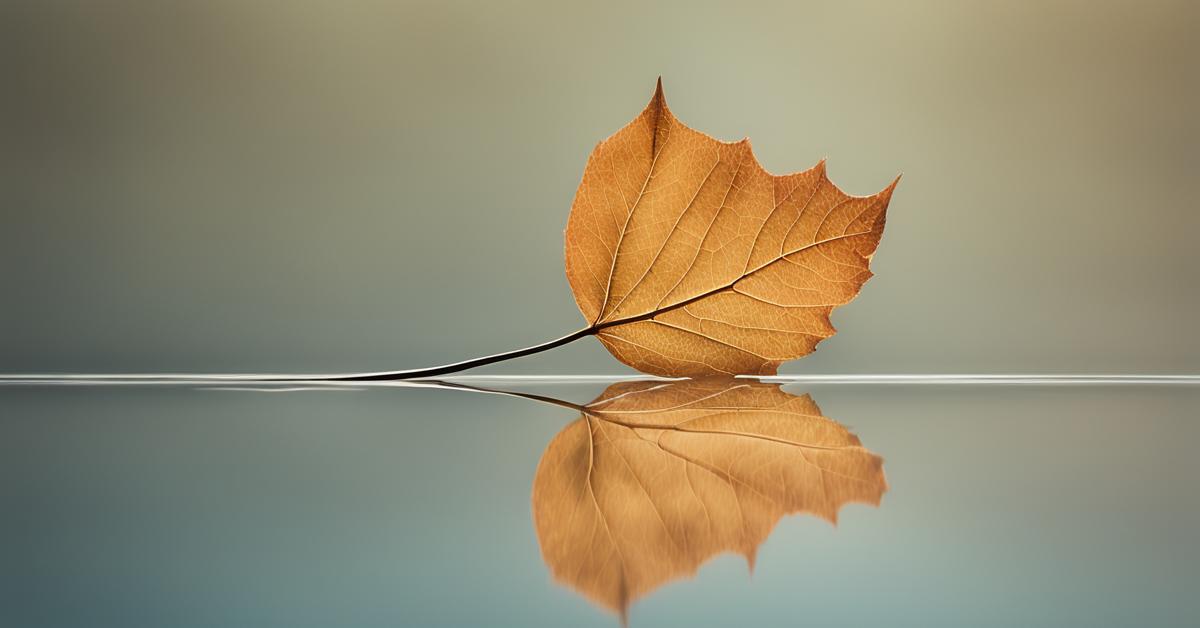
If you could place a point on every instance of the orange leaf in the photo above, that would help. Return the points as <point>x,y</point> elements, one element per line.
<point>657,477</point>
<point>687,258</point>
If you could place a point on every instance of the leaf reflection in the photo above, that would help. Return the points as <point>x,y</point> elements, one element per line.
<point>657,477</point>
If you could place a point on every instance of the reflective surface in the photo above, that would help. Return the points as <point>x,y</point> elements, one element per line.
<point>655,478</point>
<point>204,506</point>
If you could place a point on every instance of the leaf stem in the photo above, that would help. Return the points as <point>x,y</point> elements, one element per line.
<point>465,364</point>
<point>554,401</point>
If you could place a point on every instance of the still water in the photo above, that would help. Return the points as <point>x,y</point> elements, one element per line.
<point>235,505</point>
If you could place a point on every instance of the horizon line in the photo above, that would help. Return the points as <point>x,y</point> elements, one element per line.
<point>1076,379</point>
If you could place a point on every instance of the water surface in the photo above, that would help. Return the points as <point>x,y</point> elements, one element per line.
<point>218,505</point>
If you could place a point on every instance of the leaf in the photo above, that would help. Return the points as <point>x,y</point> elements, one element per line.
<point>687,258</point>
<point>657,477</point>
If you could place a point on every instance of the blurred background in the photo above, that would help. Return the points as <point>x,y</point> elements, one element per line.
<point>255,186</point>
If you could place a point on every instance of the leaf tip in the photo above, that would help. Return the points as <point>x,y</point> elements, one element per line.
<point>886,194</point>
<point>744,145</point>
<point>657,105</point>
<point>658,98</point>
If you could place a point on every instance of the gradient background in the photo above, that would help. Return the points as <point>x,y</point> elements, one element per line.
<point>250,186</point>
<point>330,186</point>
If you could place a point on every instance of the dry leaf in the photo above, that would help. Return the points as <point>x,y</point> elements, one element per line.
<point>687,258</point>
<point>657,477</point>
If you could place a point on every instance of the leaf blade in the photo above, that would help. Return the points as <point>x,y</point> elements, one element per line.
<point>707,222</point>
